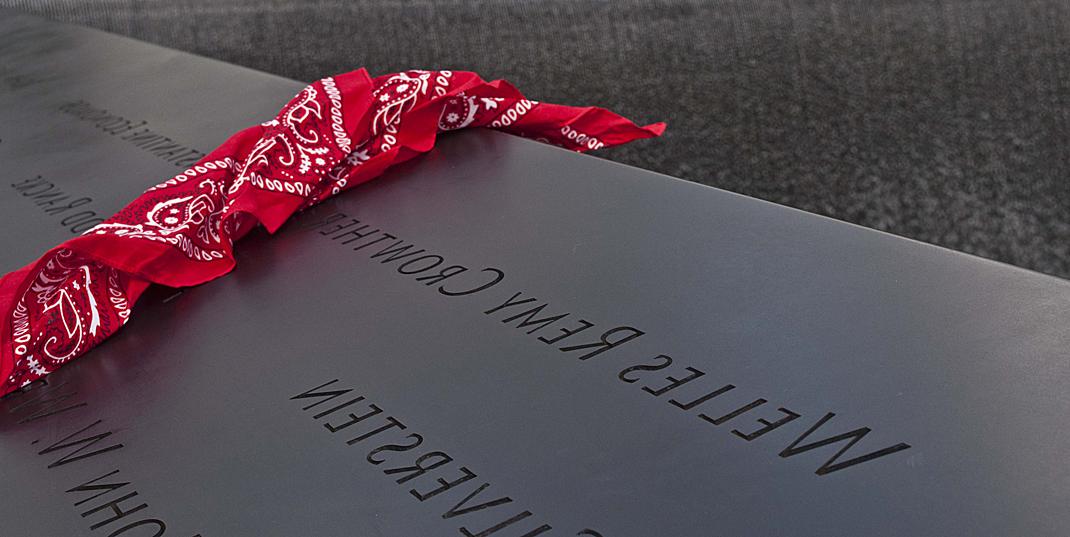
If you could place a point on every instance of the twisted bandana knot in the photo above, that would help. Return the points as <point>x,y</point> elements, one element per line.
<point>336,133</point>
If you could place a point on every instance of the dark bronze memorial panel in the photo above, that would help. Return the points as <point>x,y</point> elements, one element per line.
<point>506,339</point>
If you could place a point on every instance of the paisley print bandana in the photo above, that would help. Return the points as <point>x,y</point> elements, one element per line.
<point>336,133</point>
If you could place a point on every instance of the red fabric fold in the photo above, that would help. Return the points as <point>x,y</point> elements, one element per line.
<point>336,133</point>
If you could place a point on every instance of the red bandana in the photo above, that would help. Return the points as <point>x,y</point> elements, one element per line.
<point>335,134</point>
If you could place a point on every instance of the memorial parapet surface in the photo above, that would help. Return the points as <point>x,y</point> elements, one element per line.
<point>507,339</point>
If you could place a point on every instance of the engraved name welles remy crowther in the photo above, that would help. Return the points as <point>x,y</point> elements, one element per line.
<point>684,389</point>
<point>110,503</point>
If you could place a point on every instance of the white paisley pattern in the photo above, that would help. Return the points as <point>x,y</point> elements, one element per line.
<point>181,231</point>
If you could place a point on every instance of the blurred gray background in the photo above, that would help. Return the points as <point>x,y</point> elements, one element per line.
<point>941,120</point>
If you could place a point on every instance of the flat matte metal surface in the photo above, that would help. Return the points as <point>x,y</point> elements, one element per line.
<point>962,359</point>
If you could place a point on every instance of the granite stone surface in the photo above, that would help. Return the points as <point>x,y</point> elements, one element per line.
<point>941,120</point>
